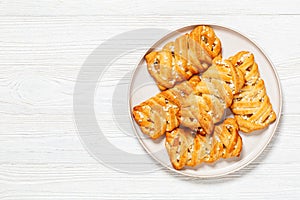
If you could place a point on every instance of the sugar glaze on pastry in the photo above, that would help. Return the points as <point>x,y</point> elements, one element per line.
<point>189,54</point>
<point>196,104</point>
<point>251,106</point>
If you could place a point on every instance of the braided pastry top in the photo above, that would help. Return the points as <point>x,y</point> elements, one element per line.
<point>160,113</point>
<point>189,54</point>
<point>251,106</point>
<point>190,149</point>
<point>206,37</point>
<point>212,95</point>
<point>197,104</point>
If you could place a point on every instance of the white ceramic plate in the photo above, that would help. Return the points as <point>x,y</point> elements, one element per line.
<point>143,87</point>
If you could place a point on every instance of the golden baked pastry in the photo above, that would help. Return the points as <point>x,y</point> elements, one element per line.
<point>187,148</point>
<point>189,54</point>
<point>251,106</point>
<point>160,113</point>
<point>212,95</point>
<point>210,43</point>
<point>197,104</point>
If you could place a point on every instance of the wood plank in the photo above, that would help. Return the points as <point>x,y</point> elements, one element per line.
<point>161,8</point>
<point>54,66</point>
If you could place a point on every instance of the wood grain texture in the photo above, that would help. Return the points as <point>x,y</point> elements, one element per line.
<point>42,48</point>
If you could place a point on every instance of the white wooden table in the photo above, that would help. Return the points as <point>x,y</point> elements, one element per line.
<point>43,46</point>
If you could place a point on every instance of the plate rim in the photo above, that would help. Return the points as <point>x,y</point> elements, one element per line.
<point>182,29</point>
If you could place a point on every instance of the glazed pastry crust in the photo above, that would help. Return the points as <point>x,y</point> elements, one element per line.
<point>161,113</point>
<point>212,95</point>
<point>196,104</point>
<point>251,106</point>
<point>189,54</point>
<point>186,148</point>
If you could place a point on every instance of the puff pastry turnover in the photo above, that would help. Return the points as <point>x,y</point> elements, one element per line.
<point>160,113</point>
<point>197,104</point>
<point>251,106</point>
<point>186,148</point>
<point>189,54</point>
